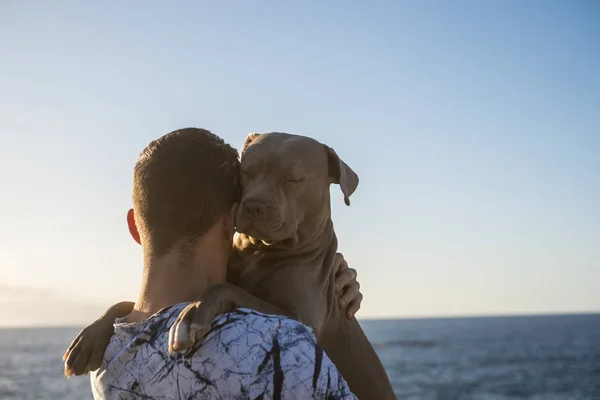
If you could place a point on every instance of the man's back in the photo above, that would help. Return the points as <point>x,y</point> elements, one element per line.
<point>245,355</point>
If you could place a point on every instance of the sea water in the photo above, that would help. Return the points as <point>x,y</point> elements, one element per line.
<point>533,357</point>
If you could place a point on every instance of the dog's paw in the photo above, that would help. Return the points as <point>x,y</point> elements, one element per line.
<point>191,325</point>
<point>86,351</point>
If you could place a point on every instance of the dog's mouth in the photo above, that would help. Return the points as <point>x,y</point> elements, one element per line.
<point>267,233</point>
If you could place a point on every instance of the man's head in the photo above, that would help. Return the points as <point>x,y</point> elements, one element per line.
<point>186,185</point>
<point>286,181</point>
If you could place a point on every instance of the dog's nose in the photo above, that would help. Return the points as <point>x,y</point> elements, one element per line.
<point>254,209</point>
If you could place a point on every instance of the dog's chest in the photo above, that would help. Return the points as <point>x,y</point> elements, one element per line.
<point>298,286</point>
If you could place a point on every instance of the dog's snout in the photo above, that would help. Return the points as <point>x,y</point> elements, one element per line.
<point>254,209</point>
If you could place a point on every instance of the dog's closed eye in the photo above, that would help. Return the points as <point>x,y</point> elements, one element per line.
<point>295,179</point>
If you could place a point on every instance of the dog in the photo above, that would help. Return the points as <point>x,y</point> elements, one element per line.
<point>282,259</point>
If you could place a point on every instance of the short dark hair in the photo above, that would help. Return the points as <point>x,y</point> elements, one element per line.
<point>183,182</point>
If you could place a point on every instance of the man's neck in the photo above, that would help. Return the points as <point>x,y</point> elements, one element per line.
<point>170,280</point>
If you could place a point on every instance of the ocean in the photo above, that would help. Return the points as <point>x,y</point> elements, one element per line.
<point>533,357</point>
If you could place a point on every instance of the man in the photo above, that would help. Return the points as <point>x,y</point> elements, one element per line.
<point>186,189</point>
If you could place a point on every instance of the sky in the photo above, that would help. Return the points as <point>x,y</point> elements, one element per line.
<point>474,127</point>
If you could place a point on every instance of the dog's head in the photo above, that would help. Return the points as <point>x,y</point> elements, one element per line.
<point>286,182</point>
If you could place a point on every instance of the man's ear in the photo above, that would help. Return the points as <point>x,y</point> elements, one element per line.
<point>342,174</point>
<point>133,230</point>
<point>249,139</point>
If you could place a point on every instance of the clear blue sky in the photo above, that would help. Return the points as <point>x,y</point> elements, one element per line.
<point>474,127</point>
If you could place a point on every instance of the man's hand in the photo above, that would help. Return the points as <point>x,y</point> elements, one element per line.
<point>347,287</point>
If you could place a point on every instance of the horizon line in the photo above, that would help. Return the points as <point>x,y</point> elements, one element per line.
<point>368,319</point>
<point>490,315</point>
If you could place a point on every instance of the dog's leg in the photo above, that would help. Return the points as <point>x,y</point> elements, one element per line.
<point>348,347</point>
<point>86,351</point>
<point>195,320</point>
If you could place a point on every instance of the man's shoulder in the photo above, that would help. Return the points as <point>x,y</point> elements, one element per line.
<point>267,326</point>
<point>236,322</point>
<point>244,352</point>
<point>258,319</point>
<point>280,354</point>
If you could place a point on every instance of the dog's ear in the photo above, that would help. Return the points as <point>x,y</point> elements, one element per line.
<point>342,174</point>
<point>249,139</point>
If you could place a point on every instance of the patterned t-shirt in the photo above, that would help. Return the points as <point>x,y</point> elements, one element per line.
<point>246,355</point>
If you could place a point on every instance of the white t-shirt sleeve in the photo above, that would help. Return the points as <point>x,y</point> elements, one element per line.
<point>294,366</point>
